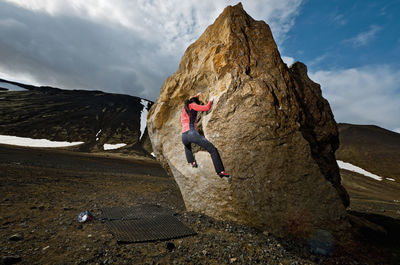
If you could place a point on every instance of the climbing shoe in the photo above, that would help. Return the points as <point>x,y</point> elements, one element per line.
<point>194,164</point>
<point>223,174</point>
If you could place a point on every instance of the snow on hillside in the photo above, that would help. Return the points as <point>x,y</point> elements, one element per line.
<point>143,117</point>
<point>351,167</point>
<point>11,87</point>
<point>97,135</point>
<point>113,146</point>
<point>25,141</point>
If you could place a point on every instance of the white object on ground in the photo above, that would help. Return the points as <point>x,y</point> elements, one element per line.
<point>390,179</point>
<point>143,117</point>
<point>153,154</point>
<point>351,167</point>
<point>112,146</point>
<point>11,87</point>
<point>25,141</point>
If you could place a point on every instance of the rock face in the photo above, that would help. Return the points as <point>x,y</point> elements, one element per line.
<point>274,130</point>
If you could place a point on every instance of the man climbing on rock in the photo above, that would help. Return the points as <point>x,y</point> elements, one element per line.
<point>191,135</point>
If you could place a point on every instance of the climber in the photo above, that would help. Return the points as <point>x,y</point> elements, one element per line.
<point>191,135</point>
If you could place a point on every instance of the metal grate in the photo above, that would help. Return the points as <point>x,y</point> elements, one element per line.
<point>140,211</point>
<point>144,223</point>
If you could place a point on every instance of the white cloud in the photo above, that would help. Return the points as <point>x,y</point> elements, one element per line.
<point>364,38</point>
<point>14,75</point>
<point>367,95</point>
<point>174,23</point>
<point>288,60</point>
<point>86,44</point>
<point>319,59</point>
<point>340,19</point>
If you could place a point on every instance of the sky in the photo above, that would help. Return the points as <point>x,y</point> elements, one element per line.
<point>351,48</point>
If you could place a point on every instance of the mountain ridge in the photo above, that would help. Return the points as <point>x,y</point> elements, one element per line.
<point>93,117</point>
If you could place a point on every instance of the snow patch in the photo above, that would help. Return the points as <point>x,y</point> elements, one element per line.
<point>351,167</point>
<point>153,154</point>
<point>25,141</point>
<point>97,135</point>
<point>113,146</point>
<point>11,87</point>
<point>390,179</point>
<point>143,117</point>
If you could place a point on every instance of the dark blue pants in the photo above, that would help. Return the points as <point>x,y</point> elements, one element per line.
<point>193,136</point>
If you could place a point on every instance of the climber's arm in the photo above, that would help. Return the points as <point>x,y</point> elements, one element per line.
<point>197,107</point>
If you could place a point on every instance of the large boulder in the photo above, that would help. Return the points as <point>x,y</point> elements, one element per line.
<point>275,132</point>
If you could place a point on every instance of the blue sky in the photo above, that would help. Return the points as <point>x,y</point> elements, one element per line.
<point>346,34</point>
<point>351,48</point>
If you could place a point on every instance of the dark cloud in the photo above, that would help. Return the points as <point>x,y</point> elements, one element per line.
<point>120,46</point>
<point>74,53</point>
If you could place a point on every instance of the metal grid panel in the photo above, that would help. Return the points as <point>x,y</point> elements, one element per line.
<point>160,227</point>
<point>144,223</point>
<point>137,212</point>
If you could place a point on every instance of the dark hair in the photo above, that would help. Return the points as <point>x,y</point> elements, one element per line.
<point>188,101</point>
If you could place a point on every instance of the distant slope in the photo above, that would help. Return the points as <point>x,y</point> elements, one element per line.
<point>74,115</point>
<point>370,147</point>
<point>378,151</point>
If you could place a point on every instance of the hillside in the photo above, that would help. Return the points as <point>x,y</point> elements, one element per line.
<point>370,147</point>
<point>92,117</point>
<point>378,151</point>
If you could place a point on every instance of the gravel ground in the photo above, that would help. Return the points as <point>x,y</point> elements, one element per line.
<point>39,205</point>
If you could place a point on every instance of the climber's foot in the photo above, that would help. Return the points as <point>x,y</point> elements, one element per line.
<point>194,164</point>
<point>223,174</point>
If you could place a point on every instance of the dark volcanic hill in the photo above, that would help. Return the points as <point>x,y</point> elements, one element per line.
<point>378,151</point>
<point>93,117</point>
<point>371,148</point>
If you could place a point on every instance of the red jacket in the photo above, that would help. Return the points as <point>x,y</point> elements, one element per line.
<point>187,120</point>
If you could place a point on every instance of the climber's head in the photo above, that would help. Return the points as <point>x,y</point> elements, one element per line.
<point>189,101</point>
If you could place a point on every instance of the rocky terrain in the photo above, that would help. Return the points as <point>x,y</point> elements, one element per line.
<point>43,190</point>
<point>92,117</point>
<point>274,130</point>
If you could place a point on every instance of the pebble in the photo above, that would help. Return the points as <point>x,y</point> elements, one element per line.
<point>45,248</point>
<point>8,260</point>
<point>169,246</point>
<point>16,237</point>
